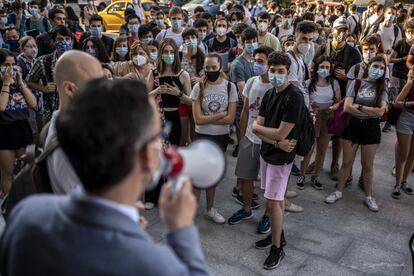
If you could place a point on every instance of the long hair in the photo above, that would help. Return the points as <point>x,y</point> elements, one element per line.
<point>99,47</point>
<point>203,82</point>
<point>135,47</point>
<point>380,83</point>
<point>176,66</point>
<point>199,55</point>
<point>314,74</point>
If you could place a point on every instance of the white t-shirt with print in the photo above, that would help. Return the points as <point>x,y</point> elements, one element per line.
<point>215,99</point>
<point>388,36</point>
<point>168,33</point>
<point>255,89</point>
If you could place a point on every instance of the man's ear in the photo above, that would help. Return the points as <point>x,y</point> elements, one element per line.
<point>69,88</point>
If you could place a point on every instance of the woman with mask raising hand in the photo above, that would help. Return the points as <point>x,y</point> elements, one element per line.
<point>214,109</point>
<point>365,101</point>
<point>137,67</point>
<point>16,134</point>
<point>172,84</point>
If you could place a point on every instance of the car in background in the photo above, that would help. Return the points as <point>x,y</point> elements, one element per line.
<point>113,15</point>
<point>211,6</point>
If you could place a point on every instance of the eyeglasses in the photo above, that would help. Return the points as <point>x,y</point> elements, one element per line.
<point>163,134</point>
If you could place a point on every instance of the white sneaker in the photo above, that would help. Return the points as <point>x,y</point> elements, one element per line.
<point>214,215</point>
<point>291,194</point>
<point>332,198</point>
<point>371,204</point>
<point>293,208</point>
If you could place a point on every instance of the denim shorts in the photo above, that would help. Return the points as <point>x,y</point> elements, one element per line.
<point>405,123</point>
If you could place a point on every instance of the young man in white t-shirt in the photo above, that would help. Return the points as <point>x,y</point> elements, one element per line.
<point>176,30</point>
<point>390,33</point>
<point>298,71</point>
<point>248,161</point>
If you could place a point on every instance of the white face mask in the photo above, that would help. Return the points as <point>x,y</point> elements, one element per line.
<point>304,48</point>
<point>263,27</point>
<point>221,31</point>
<point>139,60</point>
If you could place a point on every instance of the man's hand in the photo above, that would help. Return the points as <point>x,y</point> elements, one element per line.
<point>50,87</point>
<point>340,74</point>
<point>255,125</point>
<point>177,211</point>
<point>287,145</point>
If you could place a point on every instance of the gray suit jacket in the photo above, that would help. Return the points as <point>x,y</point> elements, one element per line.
<point>72,235</point>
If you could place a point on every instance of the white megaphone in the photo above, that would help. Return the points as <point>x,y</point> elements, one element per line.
<point>202,162</point>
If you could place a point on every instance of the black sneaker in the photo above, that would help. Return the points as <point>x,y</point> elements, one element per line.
<point>236,192</point>
<point>386,128</point>
<point>361,183</point>
<point>239,200</point>
<point>300,184</point>
<point>235,151</point>
<point>267,242</point>
<point>349,181</point>
<point>255,196</point>
<point>316,183</point>
<point>239,216</point>
<point>276,255</point>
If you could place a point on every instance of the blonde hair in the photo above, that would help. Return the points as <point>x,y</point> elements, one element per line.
<point>24,40</point>
<point>135,47</point>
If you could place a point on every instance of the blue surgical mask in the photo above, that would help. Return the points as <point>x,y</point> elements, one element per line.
<point>323,73</point>
<point>251,47</point>
<point>288,21</point>
<point>33,11</point>
<point>176,24</point>
<point>259,69</point>
<point>134,28</point>
<point>202,36</point>
<point>277,80</point>
<point>168,59</point>
<point>153,56</point>
<point>192,43</point>
<point>160,22</point>
<point>368,56</point>
<point>146,40</point>
<point>375,73</point>
<point>4,20</point>
<point>121,51</point>
<point>63,46</point>
<point>96,31</point>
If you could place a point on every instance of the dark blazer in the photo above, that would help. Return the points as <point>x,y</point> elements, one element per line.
<point>74,235</point>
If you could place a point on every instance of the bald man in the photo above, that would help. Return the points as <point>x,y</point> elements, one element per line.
<point>72,70</point>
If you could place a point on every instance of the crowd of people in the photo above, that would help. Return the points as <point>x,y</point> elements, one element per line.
<point>248,76</point>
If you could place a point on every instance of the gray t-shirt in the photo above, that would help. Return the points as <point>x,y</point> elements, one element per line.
<point>366,93</point>
<point>215,99</point>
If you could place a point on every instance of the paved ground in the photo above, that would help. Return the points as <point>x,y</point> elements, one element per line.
<point>341,239</point>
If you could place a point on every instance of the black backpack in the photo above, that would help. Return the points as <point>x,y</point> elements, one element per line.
<point>31,175</point>
<point>307,134</point>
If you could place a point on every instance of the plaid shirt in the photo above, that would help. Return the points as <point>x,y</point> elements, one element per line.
<point>42,71</point>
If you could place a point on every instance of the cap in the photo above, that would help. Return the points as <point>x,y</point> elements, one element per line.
<point>341,23</point>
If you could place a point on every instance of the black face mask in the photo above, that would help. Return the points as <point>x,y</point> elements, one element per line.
<point>213,75</point>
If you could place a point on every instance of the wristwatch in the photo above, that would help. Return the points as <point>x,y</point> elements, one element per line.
<point>360,107</point>
<point>276,144</point>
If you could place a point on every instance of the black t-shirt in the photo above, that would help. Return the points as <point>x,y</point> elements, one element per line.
<point>220,47</point>
<point>286,106</point>
<point>399,69</point>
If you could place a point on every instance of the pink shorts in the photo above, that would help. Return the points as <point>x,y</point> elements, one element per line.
<point>274,179</point>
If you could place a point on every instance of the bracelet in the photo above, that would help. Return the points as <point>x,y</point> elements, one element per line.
<point>181,94</point>
<point>276,144</point>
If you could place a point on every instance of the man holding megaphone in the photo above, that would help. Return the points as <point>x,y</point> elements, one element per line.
<point>115,151</point>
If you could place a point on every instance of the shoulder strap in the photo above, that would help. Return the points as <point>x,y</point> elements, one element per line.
<point>27,23</point>
<point>210,43</point>
<point>357,86</point>
<point>165,33</point>
<point>228,87</point>
<point>356,70</point>
<point>232,43</point>
<point>45,24</point>
<point>333,89</point>
<point>50,147</point>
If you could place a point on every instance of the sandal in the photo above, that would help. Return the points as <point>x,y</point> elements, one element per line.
<point>397,192</point>
<point>408,190</point>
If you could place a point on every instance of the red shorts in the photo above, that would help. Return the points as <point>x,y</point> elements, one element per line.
<point>185,110</point>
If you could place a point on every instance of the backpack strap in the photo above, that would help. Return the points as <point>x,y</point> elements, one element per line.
<point>357,86</point>
<point>45,24</point>
<point>333,89</point>
<point>210,43</point>
<point>356,70</point>
<point>228,88</point>
<point>27,24</point>
<point>49,149</point>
